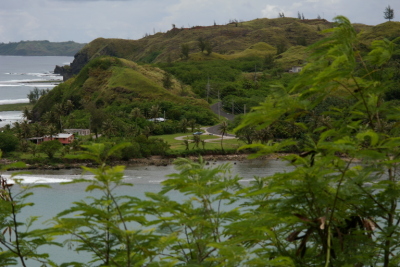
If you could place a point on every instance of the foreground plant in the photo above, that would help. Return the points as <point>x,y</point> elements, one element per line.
<point>18,242</point>
<point>107,225</point>
<point>193,210</point>
<point>339,205</point>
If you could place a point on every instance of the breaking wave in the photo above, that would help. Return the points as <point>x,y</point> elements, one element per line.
<point>14,101</point>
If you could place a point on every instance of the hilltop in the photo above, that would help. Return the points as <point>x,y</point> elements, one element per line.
<point>40,48</point>
<point>233,40</point>
<point>236,39</point>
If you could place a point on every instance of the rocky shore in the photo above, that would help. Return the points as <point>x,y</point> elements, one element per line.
<point>154,160</point>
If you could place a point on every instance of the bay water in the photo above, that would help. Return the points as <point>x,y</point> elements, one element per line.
<point>50,201</point>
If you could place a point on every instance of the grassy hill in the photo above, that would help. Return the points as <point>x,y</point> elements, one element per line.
<point>40,48</point>
<point>114,87</point>
<point>230,41</point>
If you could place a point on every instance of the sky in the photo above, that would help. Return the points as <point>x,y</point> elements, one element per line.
<point>85,20</point>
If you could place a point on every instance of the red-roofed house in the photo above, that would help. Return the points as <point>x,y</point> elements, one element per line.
<point>64,138</point>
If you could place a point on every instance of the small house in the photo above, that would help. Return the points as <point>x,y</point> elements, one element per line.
<point>64,138</point>
<point>78,131</point>
<point>295,69</point>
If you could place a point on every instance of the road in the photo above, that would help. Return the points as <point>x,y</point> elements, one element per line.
<point>217,109</point>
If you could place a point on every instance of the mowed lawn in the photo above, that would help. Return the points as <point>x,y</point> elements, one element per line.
<point>212,141</point>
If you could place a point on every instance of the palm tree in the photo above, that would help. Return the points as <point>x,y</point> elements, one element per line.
<point>58,110</point>
<point>186,143</point>
<point>51,130</point>
<point>37,129</point>
<point>27,114</point>
<point>196,141</point>
<point>146,131</point>
<point>136,113</point>
<point>223,128</point>
<point>154,111</point>
<point>184,125</point>
<point>109,128</point>
<point>192,124</point>
<point>25,129</point>
<point>33,148</point>
<point>17,129</point>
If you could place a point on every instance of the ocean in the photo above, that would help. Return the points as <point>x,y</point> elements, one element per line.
<point>21,74</point>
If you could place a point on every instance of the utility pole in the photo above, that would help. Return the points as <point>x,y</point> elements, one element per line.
<point>208,88</point>
<point>244,109</point>
<point>219,107</point>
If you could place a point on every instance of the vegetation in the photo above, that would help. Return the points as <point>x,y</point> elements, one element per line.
<point>389,13</point>
<point>336,206</point>
<point>15,107</point>
<point>40,48</point>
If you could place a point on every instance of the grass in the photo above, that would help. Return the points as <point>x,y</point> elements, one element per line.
<point>15,107</point>
<point>178,145</point>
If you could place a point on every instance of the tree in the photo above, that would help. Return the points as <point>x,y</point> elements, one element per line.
<point>388,13</point>
<point>209,47</point>
<point>269,61</point>
<point>247,134</point>
<point>201,42</point>
<point>109,128</point>
<point>280,47</point>
<point>26,114</point>
<point>136,113</point>
<point>185,51</point>
<point>330,205</point>
<point>167,80</point>
<point>192,124</point>
<point>50,148</point>
<point>196,141</point>
<point>154,111</point>
<point>223,128</point>
<point>8,142</point>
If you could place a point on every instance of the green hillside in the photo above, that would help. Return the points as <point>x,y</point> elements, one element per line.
<point>230,41</point>
<point>113,87</point>
<point>243,64</point>
<point>40,48</point>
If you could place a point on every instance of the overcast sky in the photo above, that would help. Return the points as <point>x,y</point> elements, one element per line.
<point>84,20</point>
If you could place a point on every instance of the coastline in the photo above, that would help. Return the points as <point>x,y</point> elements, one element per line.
<point>153,160</point>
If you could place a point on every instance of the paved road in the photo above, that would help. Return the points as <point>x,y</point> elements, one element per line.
<point>221,112</point>
<point>217,109</point>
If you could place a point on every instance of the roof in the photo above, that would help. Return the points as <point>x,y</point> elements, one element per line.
<point>61,135</point>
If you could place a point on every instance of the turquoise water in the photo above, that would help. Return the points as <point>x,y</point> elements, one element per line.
<point>48,202</point>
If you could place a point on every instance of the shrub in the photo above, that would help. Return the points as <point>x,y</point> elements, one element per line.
<point>8,142</point>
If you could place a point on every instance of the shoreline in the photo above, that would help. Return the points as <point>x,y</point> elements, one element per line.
<point>151,161</point>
